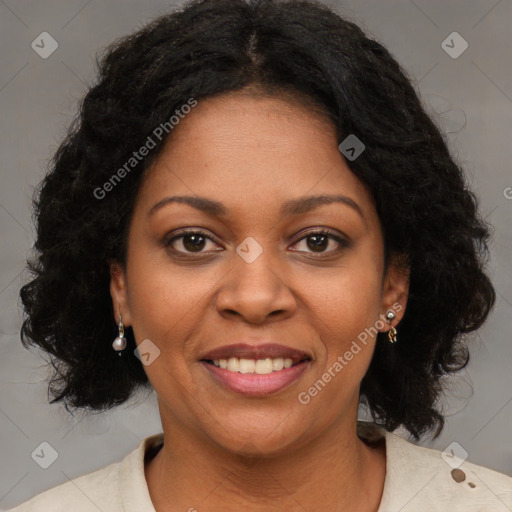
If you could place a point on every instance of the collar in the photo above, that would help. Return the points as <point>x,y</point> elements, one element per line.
<point>416,477</point>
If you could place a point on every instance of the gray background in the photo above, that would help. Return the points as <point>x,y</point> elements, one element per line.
<point>470,97</point>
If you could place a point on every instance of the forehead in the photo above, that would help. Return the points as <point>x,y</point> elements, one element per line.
<point>250,118</point>
<point>252,151</point>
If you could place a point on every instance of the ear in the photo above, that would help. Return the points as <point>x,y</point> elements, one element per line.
<point>395,290</point>
<point>119,292</point>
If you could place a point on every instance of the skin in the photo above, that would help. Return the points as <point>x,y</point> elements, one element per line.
<point>225,451</point>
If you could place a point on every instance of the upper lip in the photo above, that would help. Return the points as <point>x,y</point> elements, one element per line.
<point>260,351</point>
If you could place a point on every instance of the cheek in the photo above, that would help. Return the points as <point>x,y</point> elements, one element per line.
<point>164,307</point>
<point>163,303</point>
<point>345,312</point>
<point>346,303</point>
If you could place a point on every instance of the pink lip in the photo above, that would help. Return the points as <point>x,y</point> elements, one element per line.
<point>262,351</point>
<point>253,384</point>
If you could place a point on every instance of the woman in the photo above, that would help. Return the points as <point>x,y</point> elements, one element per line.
<point>255,217</point>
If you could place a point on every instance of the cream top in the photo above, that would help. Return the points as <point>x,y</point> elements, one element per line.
<point>417,479</point>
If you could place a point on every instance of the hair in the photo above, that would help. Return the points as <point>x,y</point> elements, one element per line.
<point>208,48</point>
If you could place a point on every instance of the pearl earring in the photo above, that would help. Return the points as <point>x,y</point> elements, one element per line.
<point>119,343</point>
<point>390,315</point>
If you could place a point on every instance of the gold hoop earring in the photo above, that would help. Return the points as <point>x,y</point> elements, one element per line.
<point>392,335</point>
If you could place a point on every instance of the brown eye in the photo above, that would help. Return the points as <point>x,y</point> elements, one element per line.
<point>193,242</point>
<point>190,241</point>
<point>319,241</point>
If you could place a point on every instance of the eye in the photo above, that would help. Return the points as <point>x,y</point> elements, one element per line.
<point>319,240</point>
<point>193,241</point>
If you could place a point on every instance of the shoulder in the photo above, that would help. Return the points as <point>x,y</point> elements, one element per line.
<point>91,492</point>
<point>420,479</point>
<point>118,487</point>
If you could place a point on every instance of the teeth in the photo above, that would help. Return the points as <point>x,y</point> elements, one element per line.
<point>233,364</point>
<point>263,366</point>
<point>259,366</point>
<point>277,364</point>
<point>246,366</point>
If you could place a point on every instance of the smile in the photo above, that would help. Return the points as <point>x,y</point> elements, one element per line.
<point>243,377</point>
<point>259,366</point>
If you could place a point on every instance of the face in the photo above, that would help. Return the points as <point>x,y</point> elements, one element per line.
<point>255,273</point>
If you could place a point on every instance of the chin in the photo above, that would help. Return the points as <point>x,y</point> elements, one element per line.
<point>264,439</point>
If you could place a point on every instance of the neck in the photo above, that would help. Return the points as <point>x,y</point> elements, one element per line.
<point>337,471</point>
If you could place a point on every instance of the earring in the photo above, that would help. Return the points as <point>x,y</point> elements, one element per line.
<point>390,315</point>
<point>119,343</point>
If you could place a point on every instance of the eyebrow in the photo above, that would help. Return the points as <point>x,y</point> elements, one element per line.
<point>292,207</point>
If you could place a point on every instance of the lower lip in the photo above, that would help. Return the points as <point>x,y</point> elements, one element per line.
<point>253,384</point>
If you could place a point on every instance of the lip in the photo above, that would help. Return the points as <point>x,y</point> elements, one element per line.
<point>260,351</point>
<point>253,384</point>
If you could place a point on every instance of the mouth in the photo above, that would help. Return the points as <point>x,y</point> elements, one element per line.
<point>256,370</point>
<point>257,366</point>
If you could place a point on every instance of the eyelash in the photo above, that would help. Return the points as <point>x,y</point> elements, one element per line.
<point>343,244</point>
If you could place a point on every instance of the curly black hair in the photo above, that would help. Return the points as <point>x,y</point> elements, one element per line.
<point>211,47</point>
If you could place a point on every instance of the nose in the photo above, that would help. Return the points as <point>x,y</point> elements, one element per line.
<point>256,290</point>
